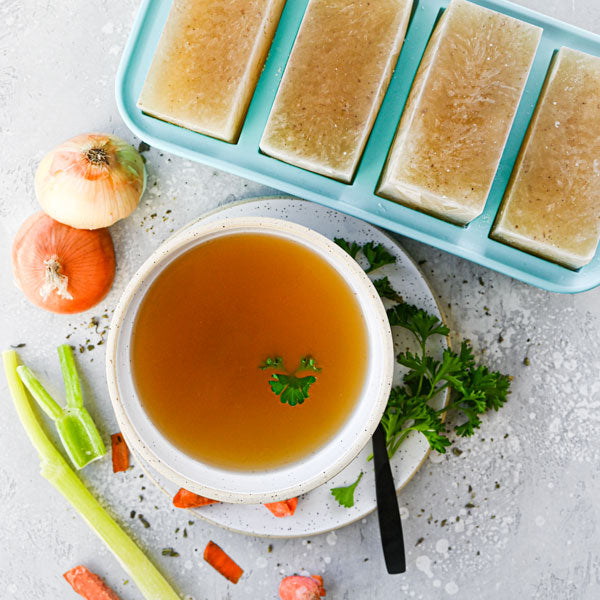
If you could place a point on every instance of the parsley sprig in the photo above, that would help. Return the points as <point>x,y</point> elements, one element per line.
<point>345,495</point>
<point>385,290</point>
<point>376,254</point>
<point>352,248</point>
<point>474,389</point>
<point>290,388</point>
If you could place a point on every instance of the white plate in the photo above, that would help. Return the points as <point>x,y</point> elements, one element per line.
<point>318,512</point>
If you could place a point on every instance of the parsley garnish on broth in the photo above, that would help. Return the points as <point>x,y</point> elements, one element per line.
<point>291,388</point>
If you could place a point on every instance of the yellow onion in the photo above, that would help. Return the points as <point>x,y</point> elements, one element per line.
<point>90,181</point>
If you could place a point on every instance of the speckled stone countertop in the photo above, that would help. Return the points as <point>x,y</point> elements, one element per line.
<point>514,513</point>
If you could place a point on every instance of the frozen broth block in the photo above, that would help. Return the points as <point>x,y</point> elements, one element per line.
<point>552,205</point>
<point>208,62</point>
<point>459,112</point>
<point>333,85</point>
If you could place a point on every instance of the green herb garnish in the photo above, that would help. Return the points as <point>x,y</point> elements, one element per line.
<point>308,363</point>
<point>403,408</point>
<point>376,254</point>
<point>385,290</point>
<point>275,362</point>
<point>290,388</point>
<point>352,248</point>
<point>345,495</point>
<point>418,321</point>
<point>474,389</point>
<point>169,552</point>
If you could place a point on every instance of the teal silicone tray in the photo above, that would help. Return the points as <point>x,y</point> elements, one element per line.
<point>359,199</point>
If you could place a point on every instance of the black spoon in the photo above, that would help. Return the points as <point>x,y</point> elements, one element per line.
<point>390,524</point>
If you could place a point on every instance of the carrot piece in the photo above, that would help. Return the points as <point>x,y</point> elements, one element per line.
<point>120,453</point>
<point>186,499</point>
<point>283,509</point>
<point>222,562</point>
<point>298,587</point>
<point>88,584</point>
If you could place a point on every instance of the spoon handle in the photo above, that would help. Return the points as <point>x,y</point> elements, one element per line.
<point>390,524</point>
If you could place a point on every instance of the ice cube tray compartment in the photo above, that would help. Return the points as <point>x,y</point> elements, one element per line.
<point>359,198</point>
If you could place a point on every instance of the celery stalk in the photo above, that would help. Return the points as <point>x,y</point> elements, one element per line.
<point>70,376</point>
<point>75,426</point>
<point>38,391</point>
<point>80,437</point>
<point>56,470</point>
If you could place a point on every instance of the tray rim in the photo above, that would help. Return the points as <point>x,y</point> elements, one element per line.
<point>577,281</point>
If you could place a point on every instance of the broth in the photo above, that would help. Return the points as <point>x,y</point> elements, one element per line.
<point>208,321</point>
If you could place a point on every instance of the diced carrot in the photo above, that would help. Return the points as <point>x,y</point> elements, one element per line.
<point>88,584</point>
<point>120,453</point>
<point>222,562</point>
<point>283,509</point>
<point>186,499</point>
<point>298,587</point>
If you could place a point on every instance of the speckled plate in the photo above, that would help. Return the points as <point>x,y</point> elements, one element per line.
<point>317,511</point>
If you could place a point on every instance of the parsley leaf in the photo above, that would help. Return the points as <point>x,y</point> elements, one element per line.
<point>385,290</point>
<point>377,256</point>
<point>474,389</point>
<point>273,362</point>
<point>345,495</point>
<point>307,363</point>
<point>419,322</point>
<point>290,388</point>
<point>406,413</point>
<point>352,248</point>
<point>478,391</point>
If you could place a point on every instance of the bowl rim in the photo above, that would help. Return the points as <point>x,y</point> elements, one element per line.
<point>197,233</point>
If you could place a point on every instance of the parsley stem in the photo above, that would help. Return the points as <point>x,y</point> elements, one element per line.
<point>423,344</point>
<point>435,391</point>
<point>393,448</point>
<point>420,385</point>
<point>449,407</point>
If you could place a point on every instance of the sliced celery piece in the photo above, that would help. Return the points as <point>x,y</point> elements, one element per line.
<point>56,470</point>
<point>70,376</point>
<point>75,426</point>
<point>38,391</point>
<point>80,437</point>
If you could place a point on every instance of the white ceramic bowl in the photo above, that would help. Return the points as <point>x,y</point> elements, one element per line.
<point>255,486</point>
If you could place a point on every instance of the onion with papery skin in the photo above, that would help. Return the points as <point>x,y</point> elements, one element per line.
<point>90,181</point>
<point>60,268</point>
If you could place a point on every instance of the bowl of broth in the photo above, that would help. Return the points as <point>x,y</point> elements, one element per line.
<point>188,359</point>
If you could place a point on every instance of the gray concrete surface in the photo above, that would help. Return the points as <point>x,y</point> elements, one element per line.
<point>533,472</point>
